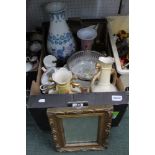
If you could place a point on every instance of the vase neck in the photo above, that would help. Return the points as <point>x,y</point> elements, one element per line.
<point>57,16</point>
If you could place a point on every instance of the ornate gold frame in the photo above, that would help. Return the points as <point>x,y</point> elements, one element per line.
<point>56,115</point>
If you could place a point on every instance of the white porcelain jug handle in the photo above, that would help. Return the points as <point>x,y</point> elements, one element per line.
<point>96,76</point>
<point>114,74</point>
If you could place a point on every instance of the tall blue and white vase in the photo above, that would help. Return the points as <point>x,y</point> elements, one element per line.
<point>60,42</point>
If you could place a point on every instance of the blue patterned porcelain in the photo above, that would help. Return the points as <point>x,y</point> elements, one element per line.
<point>60,42</point>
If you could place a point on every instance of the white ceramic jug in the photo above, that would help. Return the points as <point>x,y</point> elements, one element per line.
<point>64,85</point>
<point>60,42</point>
<point>103,75</point>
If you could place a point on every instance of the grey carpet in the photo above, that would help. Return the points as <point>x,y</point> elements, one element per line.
<point>39,142</point>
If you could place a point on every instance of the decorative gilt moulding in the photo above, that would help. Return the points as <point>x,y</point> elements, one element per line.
<point>80,129</point>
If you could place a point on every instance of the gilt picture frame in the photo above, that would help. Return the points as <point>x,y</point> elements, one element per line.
<point>80,129</point>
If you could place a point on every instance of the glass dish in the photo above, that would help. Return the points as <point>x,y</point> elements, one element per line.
<point>82,64</point>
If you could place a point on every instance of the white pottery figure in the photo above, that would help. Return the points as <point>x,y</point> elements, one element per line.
<point>60,42</point>
<point>103,75</point>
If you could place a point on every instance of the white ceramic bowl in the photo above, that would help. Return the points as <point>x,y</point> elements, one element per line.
<point>87,33</point>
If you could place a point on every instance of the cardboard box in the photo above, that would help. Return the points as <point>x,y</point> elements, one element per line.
<point>38,102</point>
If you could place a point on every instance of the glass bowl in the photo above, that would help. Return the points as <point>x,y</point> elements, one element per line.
<point>82,64</point>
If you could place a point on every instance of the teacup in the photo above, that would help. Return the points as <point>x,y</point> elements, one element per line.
<point>64,85</point>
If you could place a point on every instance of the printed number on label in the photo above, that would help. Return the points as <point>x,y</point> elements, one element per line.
<point>116,98</point>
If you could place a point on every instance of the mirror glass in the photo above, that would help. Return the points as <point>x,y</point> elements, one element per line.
<point>80,129</point>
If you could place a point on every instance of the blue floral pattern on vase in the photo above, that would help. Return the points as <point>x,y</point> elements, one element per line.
<point>60,42</point>
<point>65,40</point>
<point>63,52</point>
<point>60,39</point>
